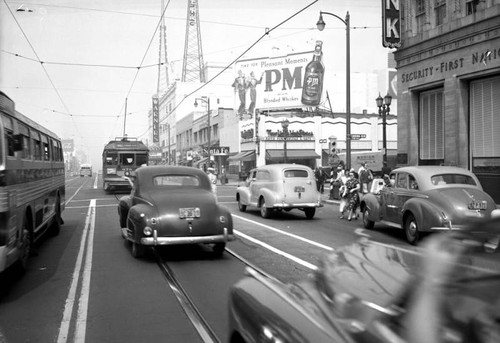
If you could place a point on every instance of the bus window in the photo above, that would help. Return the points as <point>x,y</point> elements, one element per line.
<point>25,133</point>
<point>37,145</point>
<point>45,147</point>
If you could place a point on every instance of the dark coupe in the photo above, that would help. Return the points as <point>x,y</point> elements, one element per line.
<point>367,293</point>
<point>173,205</point>
<point>423,198</point>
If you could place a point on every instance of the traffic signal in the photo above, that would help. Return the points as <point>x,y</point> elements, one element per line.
<point>332,145</point>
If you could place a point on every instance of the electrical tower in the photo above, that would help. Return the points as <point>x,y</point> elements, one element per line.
<point>163,77</point>
<point>192,66</point>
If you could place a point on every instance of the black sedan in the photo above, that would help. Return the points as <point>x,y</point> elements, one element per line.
<point>372,292</point>
<point>173,205</point>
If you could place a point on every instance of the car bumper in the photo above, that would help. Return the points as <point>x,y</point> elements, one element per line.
<point>284,205</point>
<point>155,240</point>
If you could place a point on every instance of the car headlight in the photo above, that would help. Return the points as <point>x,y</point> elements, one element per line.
<point>148,231</point>
<point>222,219</point>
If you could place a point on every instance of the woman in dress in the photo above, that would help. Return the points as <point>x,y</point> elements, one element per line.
<point>352,187</point>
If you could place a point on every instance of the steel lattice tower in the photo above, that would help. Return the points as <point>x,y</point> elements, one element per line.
<point>163,77</point>
<point>193,67</point>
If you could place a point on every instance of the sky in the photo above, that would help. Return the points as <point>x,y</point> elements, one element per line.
<point>77,67</point>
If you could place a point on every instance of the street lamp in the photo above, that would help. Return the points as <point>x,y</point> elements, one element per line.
<point>284,125</point>
<point>207,101</point>
<point>321,26</point>
<point>383,105</point>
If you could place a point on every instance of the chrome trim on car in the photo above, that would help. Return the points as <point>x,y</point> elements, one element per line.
<point>155,240</point>
<point>299,205</point>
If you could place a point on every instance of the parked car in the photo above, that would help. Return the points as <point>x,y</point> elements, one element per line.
<point>277,187</point>
<point>173,205</point>
<point>368,292</point>
<point>426,199</point>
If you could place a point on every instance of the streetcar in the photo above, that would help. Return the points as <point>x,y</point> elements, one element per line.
<point>32,190</point>
<point>120,158</point>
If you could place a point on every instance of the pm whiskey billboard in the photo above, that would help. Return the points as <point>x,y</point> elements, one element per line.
<point>291,81</point>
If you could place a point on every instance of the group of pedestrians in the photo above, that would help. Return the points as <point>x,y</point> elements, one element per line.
<point>352,185</point>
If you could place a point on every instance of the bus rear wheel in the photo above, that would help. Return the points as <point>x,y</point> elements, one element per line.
<point>26,246</point>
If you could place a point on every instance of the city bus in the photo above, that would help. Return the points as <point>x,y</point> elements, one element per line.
<point>32,193</point>
<point>121,157</point>
<point>85,170</point>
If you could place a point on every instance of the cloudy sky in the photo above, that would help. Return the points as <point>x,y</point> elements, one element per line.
<point>70,65</point>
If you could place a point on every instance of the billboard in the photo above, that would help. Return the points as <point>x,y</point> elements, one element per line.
<point>391,24</point>
<point>291,81</point>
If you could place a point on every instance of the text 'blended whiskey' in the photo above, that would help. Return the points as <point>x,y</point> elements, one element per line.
<point>313,78</point>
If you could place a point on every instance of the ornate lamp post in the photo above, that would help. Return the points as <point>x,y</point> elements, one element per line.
<point>284,125</point>
<point>383,105</point>
<point>321,26</point>
<point>207,101</point>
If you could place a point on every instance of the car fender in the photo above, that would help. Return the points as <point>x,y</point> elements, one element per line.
<point>243,195</point>
<point>426,214</point>
<point>268,195</point>
<point>138,217</point>
<point>371,201</point>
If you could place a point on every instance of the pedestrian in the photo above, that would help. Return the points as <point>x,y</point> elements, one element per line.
<point>386,170</point>
<point>341,182</point>
<point>352,187</point>
<point>365,178</point>
<point>319,175</point>
<point>213,179</point>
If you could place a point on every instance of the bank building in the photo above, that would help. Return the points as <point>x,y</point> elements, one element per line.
<point>448,82</point>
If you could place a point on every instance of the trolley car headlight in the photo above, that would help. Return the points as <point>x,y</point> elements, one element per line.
<point>111,171</point>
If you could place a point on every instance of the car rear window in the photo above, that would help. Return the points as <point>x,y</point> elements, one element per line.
<point>456,179</point>
<point>176,180</point>
<point>296,173</point>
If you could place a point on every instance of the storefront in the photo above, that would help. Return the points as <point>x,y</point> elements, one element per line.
<point>449,101</point>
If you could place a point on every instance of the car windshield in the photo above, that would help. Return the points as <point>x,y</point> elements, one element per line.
<point>295,173</point>
<point>176,180</point>
<point>457,179</point>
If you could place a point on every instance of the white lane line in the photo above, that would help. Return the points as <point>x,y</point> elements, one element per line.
<point>70,300</point>
<point>319,245</point>
<point>83,304</point>
<point>95,182</point>
<point>277,251</point>
<point>76,192</point>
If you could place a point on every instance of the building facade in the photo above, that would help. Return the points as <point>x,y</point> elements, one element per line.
<point>449,86</point>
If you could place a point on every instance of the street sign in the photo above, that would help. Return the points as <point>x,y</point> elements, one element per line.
<point>356,136</point>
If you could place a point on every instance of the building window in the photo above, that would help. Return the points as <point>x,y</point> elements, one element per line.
<point>485,124</point>
<point>440,10</point>
<point>471,6</point>
<point>431,127</point>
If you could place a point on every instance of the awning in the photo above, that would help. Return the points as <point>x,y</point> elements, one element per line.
<point>243,156</point>
<point>295,154</point>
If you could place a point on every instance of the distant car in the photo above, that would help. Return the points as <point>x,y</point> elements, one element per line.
<point>173,205</point>
<point>360,293</point>
<point>277,187</point>
<point>428,198</point>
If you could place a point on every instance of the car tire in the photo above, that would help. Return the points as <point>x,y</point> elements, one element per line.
<point>265,212</point>
<point>137,250</point>
<point>55,227</point>
<point>367,223</point>
<point>218,249</point>
<point>241,207</point>
<point>27,247</point>
<point>310,212</point>
<point>411,229</point>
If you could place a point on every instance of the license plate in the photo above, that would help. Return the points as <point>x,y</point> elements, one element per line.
<point>189,212</point>
<point>478,205</point>
<point>299,189</point>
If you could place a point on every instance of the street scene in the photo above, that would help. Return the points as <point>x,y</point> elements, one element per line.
<point>225,171</point>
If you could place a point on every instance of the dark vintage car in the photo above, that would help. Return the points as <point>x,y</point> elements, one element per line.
<point>421,198</point>
<point>277,187</point>
<point>366,292</point>
<point>173,205</point>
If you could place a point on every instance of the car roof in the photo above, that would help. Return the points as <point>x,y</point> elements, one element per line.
<point>423,174</point>
<point>281,166</point>
<point>149,172</point>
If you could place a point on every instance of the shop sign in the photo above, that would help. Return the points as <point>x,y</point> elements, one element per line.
<point>391,24</point>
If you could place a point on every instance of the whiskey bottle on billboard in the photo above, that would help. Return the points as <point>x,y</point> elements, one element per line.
<point>313,78</point>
